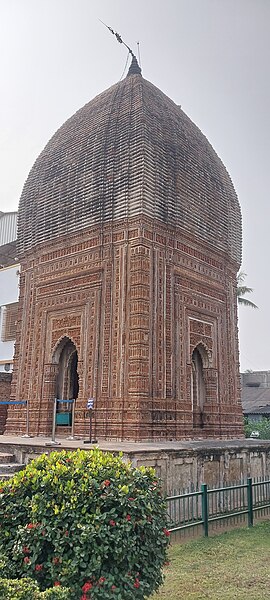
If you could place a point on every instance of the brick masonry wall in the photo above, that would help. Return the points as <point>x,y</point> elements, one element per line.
<point>130,151</point>
<point>135,298</point>
<point>5,391</point>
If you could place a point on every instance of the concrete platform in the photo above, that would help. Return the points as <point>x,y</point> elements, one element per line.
<point>130,447</point>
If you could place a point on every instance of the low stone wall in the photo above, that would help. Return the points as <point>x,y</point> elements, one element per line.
<point>182,469</point>
<point>180,465</point>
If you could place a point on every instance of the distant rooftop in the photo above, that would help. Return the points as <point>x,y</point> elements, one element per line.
<point>256,392</point>
<point>8,238</point>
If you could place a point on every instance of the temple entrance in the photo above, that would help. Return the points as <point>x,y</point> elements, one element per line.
<point>67,381</point>
<point>198,388</point>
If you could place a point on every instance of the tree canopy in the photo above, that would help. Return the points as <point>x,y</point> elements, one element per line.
<point>242,290</point>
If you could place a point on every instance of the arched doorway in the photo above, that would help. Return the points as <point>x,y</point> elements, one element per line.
<point>67,381</point>
<point>198,387</point>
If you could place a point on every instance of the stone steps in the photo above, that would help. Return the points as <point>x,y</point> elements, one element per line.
<point>8,465</point>
<point>7,458</point>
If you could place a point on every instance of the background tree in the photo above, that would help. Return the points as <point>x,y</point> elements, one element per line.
<point>242,290</point>
<point>262,427</point>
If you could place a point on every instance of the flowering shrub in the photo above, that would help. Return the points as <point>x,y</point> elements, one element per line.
<point>88,521</point>
<point>56,593</point>
<point>27,589</point>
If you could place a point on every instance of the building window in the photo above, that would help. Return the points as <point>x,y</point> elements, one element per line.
<point>9,322</point>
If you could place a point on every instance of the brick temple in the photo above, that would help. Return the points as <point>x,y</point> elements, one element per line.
<point>129,240</point>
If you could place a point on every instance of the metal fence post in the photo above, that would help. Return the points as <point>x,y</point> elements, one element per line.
<point>27,435</point>
<point>54,420</point>
<point>71,436</point>
<point>27,419</point>
<point>205,508</point>
<point>250,501</point>
<point>53,442</point>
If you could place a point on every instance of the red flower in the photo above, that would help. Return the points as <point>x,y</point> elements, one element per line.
<point>112,523</point>
<point>128,518</point>
<point>106,483</point>
<point>1,490</point>
<point>26,560</point>
<point>167,533</point>
<point>84,597</point>
<point>66,533</point>
<point>56,560</point>
<point>38,567</point>
<point>102,579</point>
<point>87,586</point>
<point>131,499</point>
<point>26,550</point>
<point>137,583</point>
<point>113,588</point>
<point>31,526</point>
<point>56,583</point>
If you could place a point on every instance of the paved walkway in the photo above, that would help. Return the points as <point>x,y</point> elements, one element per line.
<point>136,447</point>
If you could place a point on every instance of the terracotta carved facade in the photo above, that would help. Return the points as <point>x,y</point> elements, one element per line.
<point>136,301</point>
<point>130,242</point>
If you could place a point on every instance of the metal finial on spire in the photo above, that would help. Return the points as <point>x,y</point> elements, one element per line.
<point>134,67</point>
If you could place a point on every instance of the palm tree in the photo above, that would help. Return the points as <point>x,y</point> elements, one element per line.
<point>242,290</point>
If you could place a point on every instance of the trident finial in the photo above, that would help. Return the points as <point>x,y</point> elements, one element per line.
<point>119,39</point>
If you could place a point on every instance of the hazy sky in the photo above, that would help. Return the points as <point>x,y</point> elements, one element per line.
<point>210,56</point>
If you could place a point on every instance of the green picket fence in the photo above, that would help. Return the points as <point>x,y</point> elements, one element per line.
<point>209,507</point>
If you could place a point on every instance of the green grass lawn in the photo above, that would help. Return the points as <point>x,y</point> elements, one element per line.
<point>227,566</point>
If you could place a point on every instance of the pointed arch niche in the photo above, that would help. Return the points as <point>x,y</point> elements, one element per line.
<point>65,356</point>
<point>199,364</point>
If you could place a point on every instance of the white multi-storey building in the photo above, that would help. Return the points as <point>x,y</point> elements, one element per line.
<point>9,289</point>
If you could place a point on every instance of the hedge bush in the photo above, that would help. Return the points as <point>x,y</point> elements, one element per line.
<point>87,521</point>
<point>24,589</point>
<point>27,589</point>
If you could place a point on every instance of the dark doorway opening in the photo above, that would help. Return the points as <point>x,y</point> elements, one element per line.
<point>67,383</point>
<point>198,390</point>
<point>74,378</point>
